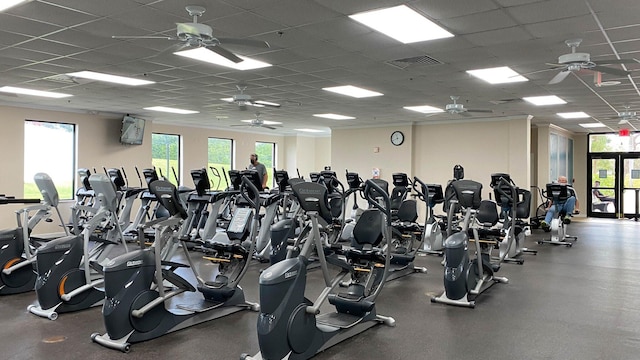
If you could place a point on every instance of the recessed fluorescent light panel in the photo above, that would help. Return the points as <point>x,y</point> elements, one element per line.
<point>425,109</point>
<point>402,23</point>
<point>6,4</point>
<point>573,115</point>
<point>497,75</point>
<point>23,91</point>
<point>309,130</point>
<point>593,125</point>
<point>171,110</point>
<point>110,78</point>
<point>334,116</point>
<point>544,100</point>
<point>202,54</point>
<point>265,122</point>
<point>353,91</point>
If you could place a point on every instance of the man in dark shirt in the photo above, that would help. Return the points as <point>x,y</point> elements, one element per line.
<point>260,168</point>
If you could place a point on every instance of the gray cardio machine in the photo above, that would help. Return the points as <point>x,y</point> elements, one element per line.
<point>465,278</point>
<point>558,194</point>
<point>290,325</point>
<point>147,298</point>
<point>69,270</point>
<point>18,246</point>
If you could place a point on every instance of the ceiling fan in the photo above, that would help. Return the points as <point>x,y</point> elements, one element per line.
<point>576,61</point>
<point>197,35</point>
<point>625,116</point>
<point>258,122</point>
<point>243,100</point>
<point>459,109</point>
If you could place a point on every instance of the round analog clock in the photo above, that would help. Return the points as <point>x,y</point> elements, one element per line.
<point>397,138</point>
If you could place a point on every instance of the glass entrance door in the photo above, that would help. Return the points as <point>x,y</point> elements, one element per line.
<point>615,185</point>
<point>630,184</point>
<point>602,201</point>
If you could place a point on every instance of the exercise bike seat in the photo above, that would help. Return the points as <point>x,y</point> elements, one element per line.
<point>352,301</point>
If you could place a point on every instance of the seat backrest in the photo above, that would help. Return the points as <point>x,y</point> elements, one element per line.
<point>368,229</point>
<point>487,214</point>
<point>106,190</point>
<point>468,193</point>
<point>47,189</point>
<point>168,196</point>
<point>383,184</point>
<point>312,197</point>
<point>408,211</point>
<point>523,207</point>
<point>557,192</point>
<point>398,195</point>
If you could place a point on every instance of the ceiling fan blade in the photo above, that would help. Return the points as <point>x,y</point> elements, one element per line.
<point>143,37</point>
<point>617,61</point>
<point>244,42</point>
<point>608,70</point>
<point>465,113</point>
<point>241,125</point>
<point>559,77</point>
<point>537,71</point>
<point>224,53</point>
<point>480,110</point>
<point>268,127</point>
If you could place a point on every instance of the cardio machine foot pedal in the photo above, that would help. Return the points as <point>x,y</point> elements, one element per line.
<point>201,306</point>
<point>339,320</point>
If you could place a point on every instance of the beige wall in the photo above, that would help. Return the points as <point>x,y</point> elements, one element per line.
<point>98,146</point>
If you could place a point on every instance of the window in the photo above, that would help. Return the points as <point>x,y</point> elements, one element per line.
<point>614,142</point>
<point>220,157</point>
<point>49,148</point>
<point>266,155</point>
<point>165,156</point>
<point>560,157</point>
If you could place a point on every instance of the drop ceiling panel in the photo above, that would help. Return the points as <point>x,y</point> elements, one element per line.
<point>295,12</point>
<point>509,35</point>
<point>251,25</point>
<point>99,8</point>
<point>488,20</point>
<point>44,12</point>
<point>547,11</point>
<point>23,26</point>
<point>444,9</point>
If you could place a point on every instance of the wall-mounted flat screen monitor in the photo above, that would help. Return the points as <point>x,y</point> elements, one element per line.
<point>132,130</point>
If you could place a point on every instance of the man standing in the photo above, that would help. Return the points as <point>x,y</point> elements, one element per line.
<point>260,168</point>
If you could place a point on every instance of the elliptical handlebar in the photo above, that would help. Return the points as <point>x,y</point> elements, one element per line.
<point>255,201</point>
<point>386,209</point>
<point>423,193</point>
<point>500,189</point>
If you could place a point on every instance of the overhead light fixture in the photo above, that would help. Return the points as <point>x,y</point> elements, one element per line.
<point>267,103</point>
<point>265,122</point>
<point>6,4</point>
<point>593,125</point>
<point>23,91</point>
<point>171,110</point>
<point>573,115</point>
<point>402,23</point>
<point>544,100</point>
<point>202,54</point>
<point>110,78</point>
<point>497,75</point>
<point>309,130</point>
<point>334,116</point>
<point>425,109</point>
<point>353,91</point>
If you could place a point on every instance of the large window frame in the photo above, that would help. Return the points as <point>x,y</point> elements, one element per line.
<point>44,150</point>
<point>220,156</point>
<point>169,156</point>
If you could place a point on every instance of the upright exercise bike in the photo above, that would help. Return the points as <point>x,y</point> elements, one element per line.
<point>558,194</point>
<point>139,306</point>
<point>432,234</point>
<point>17,246</point>
<point>290,325</point>
<point>465,279</point>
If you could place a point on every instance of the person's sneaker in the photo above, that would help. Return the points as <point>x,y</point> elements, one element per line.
<point>566,220</point>
<point>545,226</point>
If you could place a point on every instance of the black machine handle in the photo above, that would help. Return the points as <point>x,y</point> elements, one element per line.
<point>501,191</point>
<point>423,186</point>
<point>255,201</point>
<point>386,209</point>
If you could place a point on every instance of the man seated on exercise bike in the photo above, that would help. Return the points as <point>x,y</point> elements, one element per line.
<point>570,206</point>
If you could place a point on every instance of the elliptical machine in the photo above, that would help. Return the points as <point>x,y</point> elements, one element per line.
<point>465,279</point>
<point>138,307</point>
<point>69,272</point>
<point>290,325</point>
<point>432,234</point>
<point>17,247</point>
<point>558,195</point>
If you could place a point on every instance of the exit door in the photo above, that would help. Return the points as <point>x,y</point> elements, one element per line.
<point>614,189</point>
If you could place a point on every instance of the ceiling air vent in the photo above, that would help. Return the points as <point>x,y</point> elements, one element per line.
<point>414,61</point>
